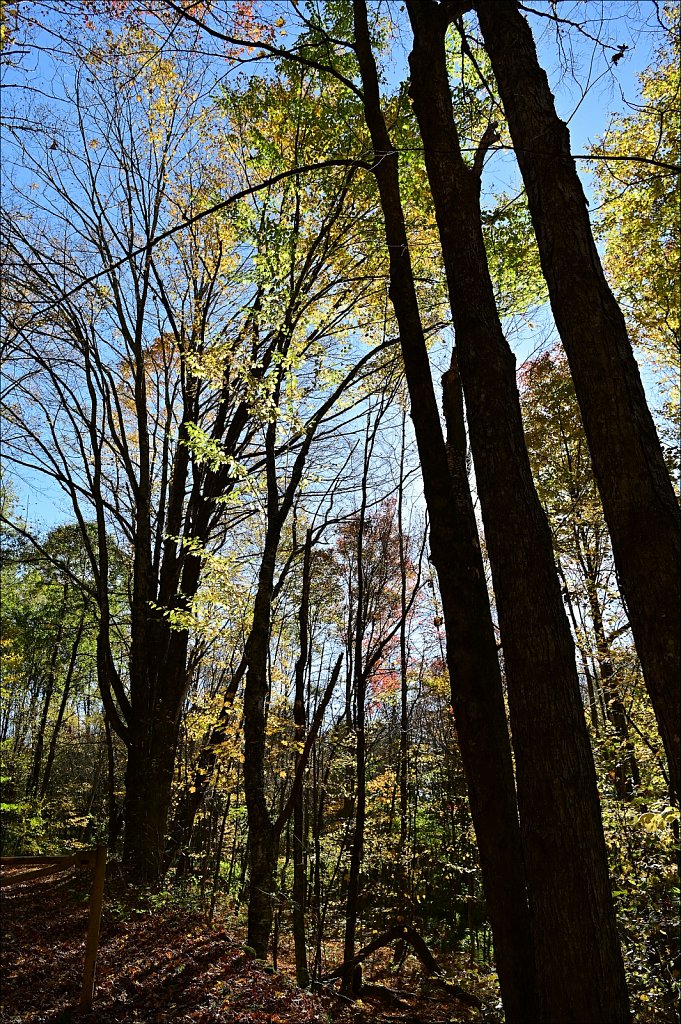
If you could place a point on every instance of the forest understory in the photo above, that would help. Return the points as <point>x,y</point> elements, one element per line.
<point>166,963</point>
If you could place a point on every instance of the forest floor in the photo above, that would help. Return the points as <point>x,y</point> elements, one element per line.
<point>165,964</point>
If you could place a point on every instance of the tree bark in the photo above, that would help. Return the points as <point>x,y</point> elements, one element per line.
<point>579,963</point>
<point>471,645</point>
<point>263,840</point>
<point>148,783</point>
<point>403,772</point>
<point>299,873</point>
<point>637,495</point>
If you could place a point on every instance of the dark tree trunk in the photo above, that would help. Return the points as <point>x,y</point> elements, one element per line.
<point>263,831</point>
<point>317,815</point>
<point>579,963</point>
<point>403,773</point>
<point>262,837</point>
<point>167,576</point>
<point>299,717</point>
<point>114,814</point>
<point>158,685</point>
<point>52,749</point>
<point>349,984</point>
<point>148,783</point>
<point>217,859</point>
<point>471,646</point>
<point>637,495</point>
<point>263,852</point>
<point>34,774</point>
<point>195,790</point>
<point>34,777</point>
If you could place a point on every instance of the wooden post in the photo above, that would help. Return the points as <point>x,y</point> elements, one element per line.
<point>92,944</point>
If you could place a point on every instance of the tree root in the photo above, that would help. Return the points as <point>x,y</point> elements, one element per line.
<point>428,961</point>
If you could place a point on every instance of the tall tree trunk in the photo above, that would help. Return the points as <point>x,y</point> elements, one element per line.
<point>154,722</point>
<point>471,646</point>
<point>264,832</point>
<point>317,814</point>
<point>593,704</point>
<point>52,749</point>
<point>357,844</point>
<point>34,778</point>
<point>404,665</point>
<point>579,963</point>
<point>637,495</point>
<point>299,717</point>
<point>262,837</point>
<point>148,783</point>
<point>360,685</point>
<point>34,774</point>
<point>194,792</point>
<point>114,814</point>
<point>627,776</point>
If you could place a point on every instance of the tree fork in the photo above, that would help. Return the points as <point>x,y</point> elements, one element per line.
<point>578,978</point>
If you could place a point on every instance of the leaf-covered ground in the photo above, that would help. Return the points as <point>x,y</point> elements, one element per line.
<point>170,966</point>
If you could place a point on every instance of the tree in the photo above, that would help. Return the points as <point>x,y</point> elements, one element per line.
<point>377,609</point>
<point>264,828</point>
<point>144,397</point>
<point>562,468</point>
<point>566,883</point>
<point>111,419</point>
<point>638,499</point>
<point>638,222</point>
<point>471,644</point>
<point>206,309</point>
<point>49,629</point>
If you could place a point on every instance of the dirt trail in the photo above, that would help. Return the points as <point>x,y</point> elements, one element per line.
<point>161,966</point>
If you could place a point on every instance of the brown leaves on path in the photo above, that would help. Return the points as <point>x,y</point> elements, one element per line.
<point>152,966</point>
<point>167,965</point>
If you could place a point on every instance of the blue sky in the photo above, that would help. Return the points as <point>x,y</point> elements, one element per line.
<point>587,115</point>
